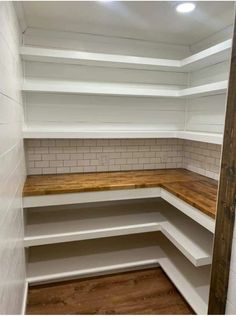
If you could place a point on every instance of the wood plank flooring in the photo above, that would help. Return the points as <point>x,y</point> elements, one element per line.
<point>137,292</point>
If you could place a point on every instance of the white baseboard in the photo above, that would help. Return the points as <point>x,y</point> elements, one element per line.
<point>24,302</point>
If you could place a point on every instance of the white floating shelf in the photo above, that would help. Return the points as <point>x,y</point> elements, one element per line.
<point>65,132</point>
<point>207,57</point>
<point>210,56</point>
<point>121,195</point>
<point>98,88</point>
<point>213,138</point>
<point>86,258</point>
<point>118,89</point>
<point>73,224</point>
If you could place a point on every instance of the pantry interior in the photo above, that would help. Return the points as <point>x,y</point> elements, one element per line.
<point>112,118</point>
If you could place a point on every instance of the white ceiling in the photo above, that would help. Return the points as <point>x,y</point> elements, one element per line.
<point>149,20</point>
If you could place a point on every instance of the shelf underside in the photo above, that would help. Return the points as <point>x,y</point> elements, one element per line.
<point>86,258</point>
<point>72,223</point>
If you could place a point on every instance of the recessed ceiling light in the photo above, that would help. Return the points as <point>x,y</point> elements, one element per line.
<point>185,7</point>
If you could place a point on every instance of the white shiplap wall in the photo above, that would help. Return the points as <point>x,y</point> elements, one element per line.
<point>12,170</point>
<point>102,44</point>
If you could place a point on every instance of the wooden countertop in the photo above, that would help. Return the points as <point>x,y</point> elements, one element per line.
<point>197,190</point>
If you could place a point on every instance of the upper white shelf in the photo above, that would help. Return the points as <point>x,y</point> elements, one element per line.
<point>207,57</point>
<point>49,132</point>
<point>119,89</point>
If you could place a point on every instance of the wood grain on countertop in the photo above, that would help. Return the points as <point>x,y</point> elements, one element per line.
<point>200,194</point>
<point>197,190</point>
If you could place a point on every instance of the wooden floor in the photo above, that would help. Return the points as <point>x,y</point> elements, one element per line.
<point>139,292</point>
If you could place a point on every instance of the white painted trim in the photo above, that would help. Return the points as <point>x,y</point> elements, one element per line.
<point>25,296</point>
<point>212,55</point>
<point>121,270</point>
<point>89,272</point>
<point>112,195</point>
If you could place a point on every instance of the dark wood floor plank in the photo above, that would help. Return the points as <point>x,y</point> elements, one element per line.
<point>139,292</point>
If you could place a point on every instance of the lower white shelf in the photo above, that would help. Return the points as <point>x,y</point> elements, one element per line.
<point>93,257</point>
<point>44,132</point>
<point>81,222</point>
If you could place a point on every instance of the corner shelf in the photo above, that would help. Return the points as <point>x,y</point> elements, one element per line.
<point>65,224</point>
<point>38,132</point>
<point>118,89</point>
<point>107,255</point>
<point>212,138</point>
<point>207,57</point>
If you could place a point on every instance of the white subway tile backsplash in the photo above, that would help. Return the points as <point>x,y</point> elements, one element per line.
<point>203,158</point>
<point>48,157</point>
<point>70,163</point>
<point>90,156</point>
<point>34,171</point>
<point>76,156</point>
<point>83,163</point>
<point>62,170</point>
<point>77,169</point>
<point>83,149</point>
<point>42,164</point>
<point>32,157</point>
<point>55,150</point>
<point>56,163</point>
<point>48,143</point>
<point>62,157</point>
<point>69,150</point>
<point>84,155</point>
<point>90,169</point>
<point>41,150</point>
<point>49,170</point>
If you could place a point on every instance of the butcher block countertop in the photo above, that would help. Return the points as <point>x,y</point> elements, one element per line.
<point>197,190</point>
